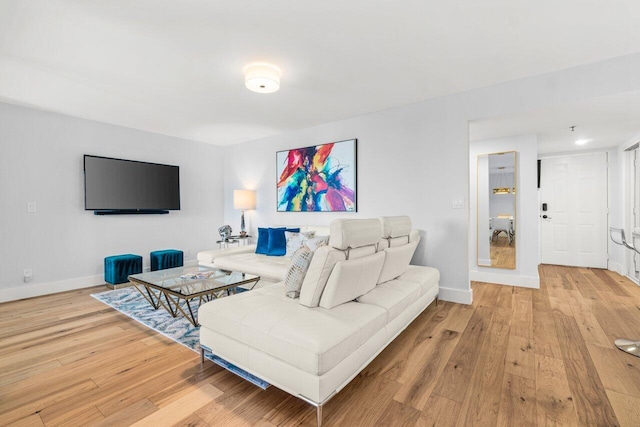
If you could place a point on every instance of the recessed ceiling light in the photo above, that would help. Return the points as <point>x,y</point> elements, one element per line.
<point>582,141</point>
<point>262,77</point>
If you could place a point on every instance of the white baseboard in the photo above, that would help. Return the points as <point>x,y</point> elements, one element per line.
<point>505,279</point>
<point>456,295</point>
<point>618,268</point>
<point>47,288</point>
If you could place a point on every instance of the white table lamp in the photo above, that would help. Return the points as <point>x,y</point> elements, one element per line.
<point>244,200</point>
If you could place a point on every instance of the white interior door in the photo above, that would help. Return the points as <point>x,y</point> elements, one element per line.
<point>574,226</point>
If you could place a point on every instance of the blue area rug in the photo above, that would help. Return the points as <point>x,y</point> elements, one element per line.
<point>130,302</point>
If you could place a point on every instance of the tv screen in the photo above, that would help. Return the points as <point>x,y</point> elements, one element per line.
<point>127,185</point>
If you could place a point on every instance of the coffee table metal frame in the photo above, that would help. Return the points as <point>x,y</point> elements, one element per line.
<point>154,293</point>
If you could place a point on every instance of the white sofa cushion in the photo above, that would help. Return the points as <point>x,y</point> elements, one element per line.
<point>352,278</point>
<point>312,339</point>
<point>395,226</point>
<point>396,261</point>
<point>354,233</point>
<point>426,277</point>
<point>394,296</point>
<point>355,237</point>
<point>273,268</point>
<point>324,259</point>
<point>208,257</point>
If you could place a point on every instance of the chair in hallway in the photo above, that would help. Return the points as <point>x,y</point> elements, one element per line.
<point>500,225</point>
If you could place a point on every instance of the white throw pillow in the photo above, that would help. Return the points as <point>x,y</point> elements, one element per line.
<point>295,240</point>
<point>295,276</point>
<point>315,242</point>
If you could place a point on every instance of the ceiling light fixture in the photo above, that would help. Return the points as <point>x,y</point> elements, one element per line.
<point>582,141</point>
<point>262,77</point>
<point>502,180</point>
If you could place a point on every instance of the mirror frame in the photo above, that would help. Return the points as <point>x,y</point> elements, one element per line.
<point>515,204</point>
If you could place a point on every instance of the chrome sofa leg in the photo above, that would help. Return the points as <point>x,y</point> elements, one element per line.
<point>319,415</point>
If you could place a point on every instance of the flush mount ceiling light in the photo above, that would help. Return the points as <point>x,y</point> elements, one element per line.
<point>579,141</point>
<point>262,77</point>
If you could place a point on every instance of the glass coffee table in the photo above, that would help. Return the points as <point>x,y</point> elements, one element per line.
<point>176,288</point>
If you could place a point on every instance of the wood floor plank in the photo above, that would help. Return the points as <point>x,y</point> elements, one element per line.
<point>627,408</point>
<point>454,381</point>
<point>517,402</point>
<point>398,414</point>
<point>590,399</point>
<point>554,400</point>
<point>401,368</point>
<point>129,414</point>
<point>419,379</point>
<point>520,358</point>
<point>590,329</point>
<point>181,408</point>
<point>439,411</point>
<point>483,398</point>
<point>615,373</point>
<point>365,400</point>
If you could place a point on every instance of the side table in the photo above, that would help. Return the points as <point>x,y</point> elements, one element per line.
<point>234,240</point>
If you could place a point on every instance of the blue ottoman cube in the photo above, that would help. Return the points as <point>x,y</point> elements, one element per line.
<point>167,258</point>
<point>117,268</point>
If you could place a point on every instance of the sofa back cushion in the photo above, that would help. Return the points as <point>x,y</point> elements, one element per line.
<point>399,242</point>
<point>354,233</point>
<point>396,261</point>
<point>349,238</point>
<point>350,279</point>
<point>395,226</point>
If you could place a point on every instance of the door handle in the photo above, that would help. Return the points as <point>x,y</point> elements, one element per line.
<point>546,217</point>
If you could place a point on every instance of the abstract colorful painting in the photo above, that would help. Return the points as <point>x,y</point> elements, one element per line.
<point>320,178</point>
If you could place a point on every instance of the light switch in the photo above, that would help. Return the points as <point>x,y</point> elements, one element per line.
<point>31,207</point>
<point>457,204</point>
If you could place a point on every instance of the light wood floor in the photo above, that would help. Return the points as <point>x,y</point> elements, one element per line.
<point>515,357</point>
<point>503,254</point>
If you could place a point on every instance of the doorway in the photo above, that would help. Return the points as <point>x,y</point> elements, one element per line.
<point>574,210</point>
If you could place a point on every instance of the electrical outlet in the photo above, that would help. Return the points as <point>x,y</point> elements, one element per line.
<point>187,253</point>
<point>31,207</point>
<point>27,274</point>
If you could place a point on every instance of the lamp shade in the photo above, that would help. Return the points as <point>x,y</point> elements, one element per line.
<point>244,199</point>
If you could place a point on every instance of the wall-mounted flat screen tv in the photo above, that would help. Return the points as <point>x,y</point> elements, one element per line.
<point>118,186</point>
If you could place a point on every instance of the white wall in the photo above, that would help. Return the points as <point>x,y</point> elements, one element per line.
<point>527,221</point>
<point>414,159</point>
<point>41,160</point>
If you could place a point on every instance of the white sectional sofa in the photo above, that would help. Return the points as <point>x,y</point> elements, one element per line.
<point>358,294</point>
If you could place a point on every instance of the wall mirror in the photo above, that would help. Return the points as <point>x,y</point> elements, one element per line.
<point>497,225</point>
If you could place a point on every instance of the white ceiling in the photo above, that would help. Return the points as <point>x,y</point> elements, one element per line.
<point>605,122</point>
<point>175,66</point>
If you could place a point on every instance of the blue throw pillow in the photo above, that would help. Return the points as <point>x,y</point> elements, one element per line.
<point>262,246</point>
<point>277,245</point>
